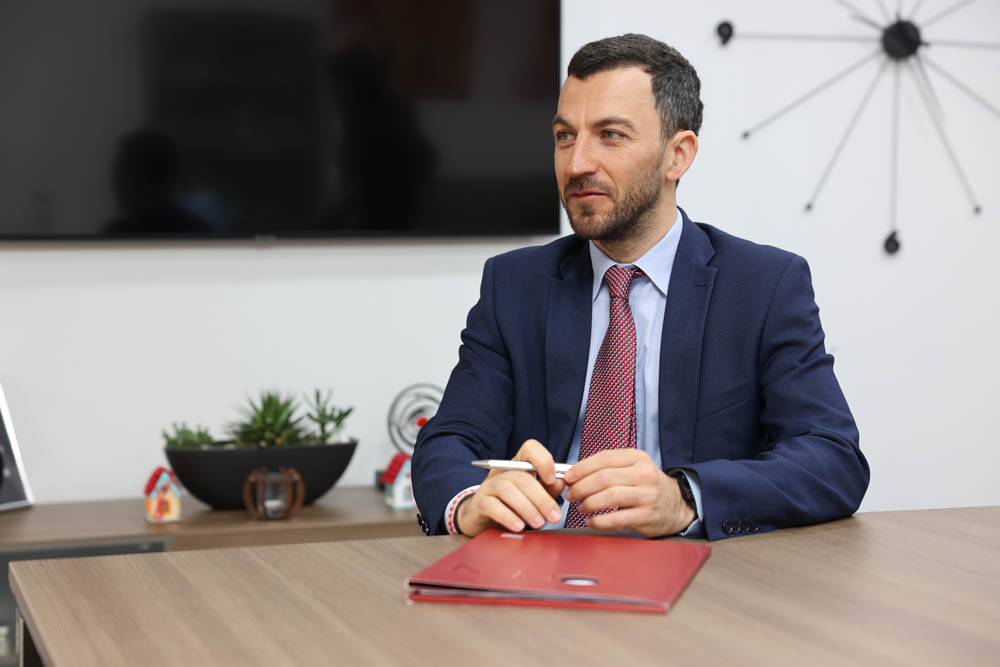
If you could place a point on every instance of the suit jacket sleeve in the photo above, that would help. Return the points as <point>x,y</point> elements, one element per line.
<point>809,467</point>
<point>475,416</point>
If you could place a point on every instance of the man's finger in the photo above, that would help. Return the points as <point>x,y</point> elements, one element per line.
<point>513,491</point>
<point>616,496</point>
<point>556,489</point>
<point>537,455</point>
<point>600,480</point>
<point>608,458</point>
<point>540,497</point>
<point>631,518</point>
<point>495,510</point>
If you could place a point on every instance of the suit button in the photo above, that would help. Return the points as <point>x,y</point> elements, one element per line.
<point>744,526</point>
<point>754,526</point>
<point>727,527</point>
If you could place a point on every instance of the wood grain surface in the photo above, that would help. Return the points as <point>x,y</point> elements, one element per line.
<point>885,588</point>
<point>343,513</point>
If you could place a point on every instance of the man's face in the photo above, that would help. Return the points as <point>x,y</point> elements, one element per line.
<point>608,153</point>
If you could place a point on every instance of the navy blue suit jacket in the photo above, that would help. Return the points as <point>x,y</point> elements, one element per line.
<point>747,395</point>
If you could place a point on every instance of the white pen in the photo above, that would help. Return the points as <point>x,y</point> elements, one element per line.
<point>501,464</point>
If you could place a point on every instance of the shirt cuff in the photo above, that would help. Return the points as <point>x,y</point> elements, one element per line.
<point>694,530</point>
<point>449,512</point>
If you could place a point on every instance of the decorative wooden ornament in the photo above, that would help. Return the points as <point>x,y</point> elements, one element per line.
<point>273,495</point>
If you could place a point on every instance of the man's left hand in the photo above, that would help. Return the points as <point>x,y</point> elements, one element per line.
<point>648,500</point>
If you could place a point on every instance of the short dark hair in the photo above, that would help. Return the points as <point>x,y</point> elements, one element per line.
<point>676,87</point>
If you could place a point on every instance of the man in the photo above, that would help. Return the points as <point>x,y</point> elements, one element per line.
<point>679,369</point>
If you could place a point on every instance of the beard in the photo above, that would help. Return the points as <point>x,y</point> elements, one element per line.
<point>630,209</point>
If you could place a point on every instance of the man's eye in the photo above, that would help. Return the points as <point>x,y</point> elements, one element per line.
<point>563,135</point>
<point>611,134</point>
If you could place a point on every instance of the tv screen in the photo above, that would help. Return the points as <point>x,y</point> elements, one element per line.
<point>139,119</point>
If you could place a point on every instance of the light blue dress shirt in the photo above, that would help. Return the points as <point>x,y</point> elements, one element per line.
<point>648,301</point>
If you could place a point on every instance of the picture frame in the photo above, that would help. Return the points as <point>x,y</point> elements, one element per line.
<point>14,488</point>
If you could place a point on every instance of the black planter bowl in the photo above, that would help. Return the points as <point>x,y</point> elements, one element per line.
<point>215,475</point>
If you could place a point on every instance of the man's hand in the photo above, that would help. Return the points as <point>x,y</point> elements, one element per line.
<point>513,498</point>
<point>649,501</point>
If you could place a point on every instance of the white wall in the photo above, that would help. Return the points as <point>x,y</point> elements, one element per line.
<point>101,346</point>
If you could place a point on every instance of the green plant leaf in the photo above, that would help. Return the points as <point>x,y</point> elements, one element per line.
<point>181,436</point>
<point>327,418</point>
<point>270,422</point>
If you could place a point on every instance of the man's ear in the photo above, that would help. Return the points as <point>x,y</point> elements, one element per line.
<point>681,149</point>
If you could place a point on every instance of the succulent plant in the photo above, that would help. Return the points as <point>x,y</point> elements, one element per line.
<point>183,437</point>
<point>329,419</point>
<point>271,422</point>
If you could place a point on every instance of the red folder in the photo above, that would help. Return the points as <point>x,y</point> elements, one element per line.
<point>561,570</point>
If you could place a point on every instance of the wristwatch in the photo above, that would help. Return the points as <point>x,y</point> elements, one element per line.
<point>686,493</point>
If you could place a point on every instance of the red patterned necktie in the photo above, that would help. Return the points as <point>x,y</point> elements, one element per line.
<point>609,422</point>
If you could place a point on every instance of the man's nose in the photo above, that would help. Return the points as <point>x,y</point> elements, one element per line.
<point>581,159</point>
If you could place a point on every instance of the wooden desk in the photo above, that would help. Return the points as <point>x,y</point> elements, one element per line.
<point>348,513</point>
<point>905,588</point>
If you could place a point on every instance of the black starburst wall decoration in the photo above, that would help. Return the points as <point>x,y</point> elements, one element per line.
<point>900,43</point>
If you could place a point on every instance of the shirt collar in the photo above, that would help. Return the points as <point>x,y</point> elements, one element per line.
<point>656,263</point>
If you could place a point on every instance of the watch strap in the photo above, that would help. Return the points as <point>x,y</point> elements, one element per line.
<point>685,487</point>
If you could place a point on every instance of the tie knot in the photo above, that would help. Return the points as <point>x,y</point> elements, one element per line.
<point>619,278</point>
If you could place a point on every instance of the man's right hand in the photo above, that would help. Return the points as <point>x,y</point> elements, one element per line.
<point>513,498</point>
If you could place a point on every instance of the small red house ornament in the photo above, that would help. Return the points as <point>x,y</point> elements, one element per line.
<point>163,497</point>
<point>398,486</point>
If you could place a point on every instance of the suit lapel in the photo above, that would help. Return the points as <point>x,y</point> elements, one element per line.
<point>567,344</point>
<point>690,290</point>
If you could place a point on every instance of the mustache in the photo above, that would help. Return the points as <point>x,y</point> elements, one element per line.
<point>586,184</point>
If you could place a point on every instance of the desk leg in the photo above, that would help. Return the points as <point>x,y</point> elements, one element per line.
<point>26,645</point>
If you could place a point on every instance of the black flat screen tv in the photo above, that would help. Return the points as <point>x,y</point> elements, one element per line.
<point>188,119</point>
